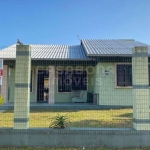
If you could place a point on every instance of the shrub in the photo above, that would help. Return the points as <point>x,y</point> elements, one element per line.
<point>1,100</point>
<point>60,122</point>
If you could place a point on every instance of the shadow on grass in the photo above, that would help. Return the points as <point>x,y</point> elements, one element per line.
<point>45,111</point>
<point>52,110</point>
<point>127,115</point>
<point>102,123</point>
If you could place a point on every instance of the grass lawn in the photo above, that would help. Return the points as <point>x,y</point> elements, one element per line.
<point>78,118</point>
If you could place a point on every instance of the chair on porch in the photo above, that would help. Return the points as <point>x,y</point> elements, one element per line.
<point>79,96</point>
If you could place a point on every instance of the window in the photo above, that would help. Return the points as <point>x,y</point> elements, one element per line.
<point>31,83</point>
<point>72,80</point>
<point>124,74</point>
<point>79,80</point>
<point>64,81</point>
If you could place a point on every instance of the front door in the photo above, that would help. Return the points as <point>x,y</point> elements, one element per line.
<point>43,86</point>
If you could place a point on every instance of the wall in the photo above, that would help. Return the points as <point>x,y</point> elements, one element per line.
<point>59,96</point>
<point>11,85</point>
<point>4,86</point>
<point>105,86</point>
<point>66,96</point>
<point>34,80</point>
<point>81,138</point>
<point>98,83</point>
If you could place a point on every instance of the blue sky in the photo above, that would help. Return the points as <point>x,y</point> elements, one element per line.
<point>60,21</point>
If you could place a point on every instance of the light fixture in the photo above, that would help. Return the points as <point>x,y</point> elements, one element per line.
<point>107,72</point>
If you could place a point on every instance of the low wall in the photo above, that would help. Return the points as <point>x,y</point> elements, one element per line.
<point>76,137</point>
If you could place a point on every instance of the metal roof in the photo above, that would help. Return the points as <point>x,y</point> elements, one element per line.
<point>110,47</point>
<point>88,47</point>
<point>48,52</point>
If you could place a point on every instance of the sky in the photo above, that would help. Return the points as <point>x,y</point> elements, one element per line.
<point>60,21</point>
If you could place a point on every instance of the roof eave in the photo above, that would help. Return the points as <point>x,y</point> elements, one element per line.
<point>73,59</point>
<point>109,55</point>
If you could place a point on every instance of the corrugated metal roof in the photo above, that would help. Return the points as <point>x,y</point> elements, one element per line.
<point>88,47</point>
<point>48,52</point>
<point>110,47</point>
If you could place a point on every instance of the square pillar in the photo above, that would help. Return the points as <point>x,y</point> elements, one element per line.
<point>140,91</point>
<point>51,84</point>
<point>22,87</point>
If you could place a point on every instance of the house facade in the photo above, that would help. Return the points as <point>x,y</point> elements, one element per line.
<point>102,67</point>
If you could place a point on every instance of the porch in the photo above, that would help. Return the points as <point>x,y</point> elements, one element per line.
<point>48,85</point>
<point>64,106</point>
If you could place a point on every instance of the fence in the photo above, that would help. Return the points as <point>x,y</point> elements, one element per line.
<point>98,93</point>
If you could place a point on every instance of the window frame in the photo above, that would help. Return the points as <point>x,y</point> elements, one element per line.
<point>116,86</point>
<point>71,85</point>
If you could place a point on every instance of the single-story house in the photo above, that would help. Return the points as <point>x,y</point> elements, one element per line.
<point>100,67</point>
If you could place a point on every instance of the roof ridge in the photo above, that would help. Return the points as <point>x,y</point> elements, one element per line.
<point>53,44</point>
<point>42,45</point>
<point>110,39</point>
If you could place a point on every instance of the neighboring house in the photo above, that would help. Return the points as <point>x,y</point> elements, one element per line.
<point>94,66</point>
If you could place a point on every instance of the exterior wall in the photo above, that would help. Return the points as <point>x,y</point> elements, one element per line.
<point>98,82</point>
<point>104,85</point>
<point>34,80</point>
<point>11,85</point>
<point>109,94</point>
<point>79,137</point>
<point>4,86</point>
<point>51,85</point>
<point>59,96</point>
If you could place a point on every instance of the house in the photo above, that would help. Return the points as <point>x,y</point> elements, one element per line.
<point>59,71</point>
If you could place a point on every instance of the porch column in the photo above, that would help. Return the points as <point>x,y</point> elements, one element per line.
<point>51,84</point>
<point>4,86</point>
<point>22,87</point>
<point>140,91</point>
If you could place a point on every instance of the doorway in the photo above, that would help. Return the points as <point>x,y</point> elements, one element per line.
<point>43,86</point>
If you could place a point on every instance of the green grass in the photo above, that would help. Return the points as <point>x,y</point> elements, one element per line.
<point>78,118</point>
